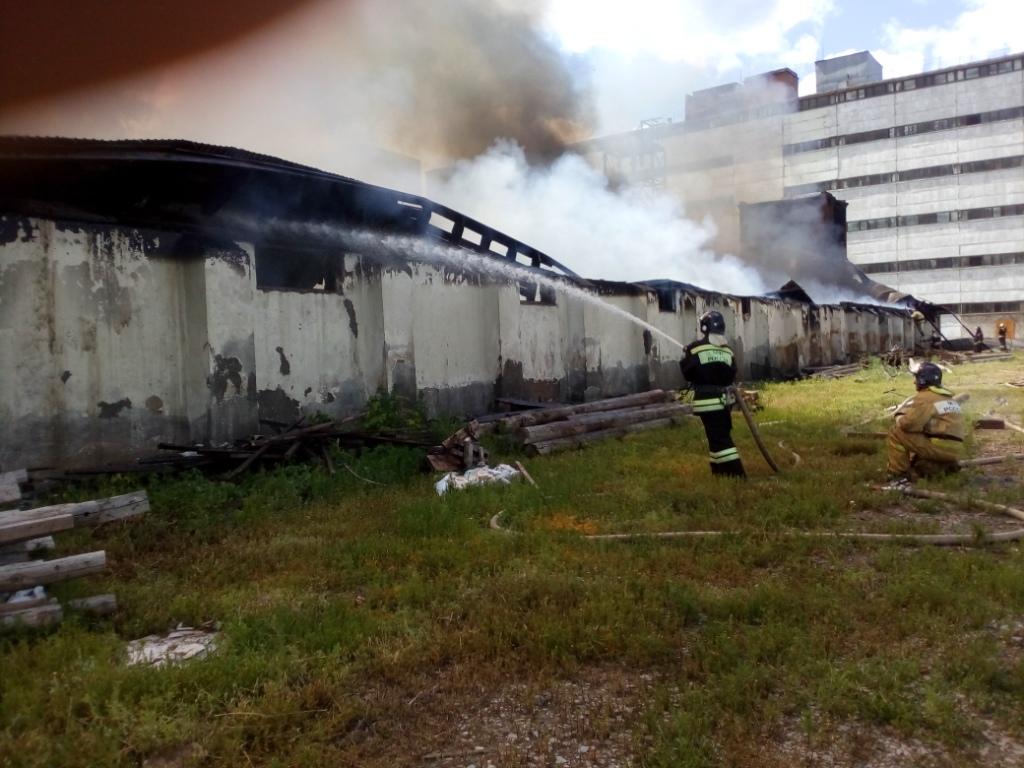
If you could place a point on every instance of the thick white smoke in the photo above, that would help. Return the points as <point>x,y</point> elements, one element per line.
<point>567,210</point>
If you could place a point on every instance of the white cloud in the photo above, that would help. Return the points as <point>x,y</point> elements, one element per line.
<point>716,36</point>
<point>985,28</point>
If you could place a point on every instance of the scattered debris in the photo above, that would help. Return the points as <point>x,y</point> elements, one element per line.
<point>181,644</point>
<point>294,440</point>
<point>22,597</point>
<point>503,473</point>
<point>460,450</point>
<point>833,371</point>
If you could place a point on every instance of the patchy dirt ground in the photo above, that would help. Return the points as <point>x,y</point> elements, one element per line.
<point>858,745</point>
<point>587,722</point>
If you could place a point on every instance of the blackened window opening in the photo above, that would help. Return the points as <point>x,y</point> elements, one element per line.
<point>667,300</point>
<point>286,269</point>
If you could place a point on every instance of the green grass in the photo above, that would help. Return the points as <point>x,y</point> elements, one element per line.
<point>339,602</point>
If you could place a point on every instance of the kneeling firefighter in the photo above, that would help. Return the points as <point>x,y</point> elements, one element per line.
<point>922,422</point>
<point>709,365</point>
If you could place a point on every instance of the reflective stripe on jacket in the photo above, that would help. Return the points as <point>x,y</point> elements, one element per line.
<point>932,412</point>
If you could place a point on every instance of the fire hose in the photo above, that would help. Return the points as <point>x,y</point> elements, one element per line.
<point>934,539</point>
<point>737,393</point>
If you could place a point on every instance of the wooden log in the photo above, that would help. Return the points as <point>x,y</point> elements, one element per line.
<point>248,461</point>
<point>32,529</point>
<point>1015,427</point>
<point>97,605</point>
<point>991,460</point>
<point>21,605</point>
<point>533,418</point>
<point>30,574</point>
<point>578,441</point>
<point>989,424</point>
<point>526,474</point>
<point>41,616</point>
<point>987,358</point>
<point>86,513</point>
<point>598,421</point>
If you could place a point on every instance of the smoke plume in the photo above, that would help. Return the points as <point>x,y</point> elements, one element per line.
<point>436,80</point>
<point>381,89</point>
<point>567,210</point>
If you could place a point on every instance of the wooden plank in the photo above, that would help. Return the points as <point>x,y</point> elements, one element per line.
<point>40,616</point>
<point>32,573</point>
<point>86,513</point>
<point>33,529</point>
<point>97,605</point>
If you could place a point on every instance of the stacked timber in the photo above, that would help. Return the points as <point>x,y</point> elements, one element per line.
<point>833,371</point>
<point>26,532</point>
<point>548,430</point>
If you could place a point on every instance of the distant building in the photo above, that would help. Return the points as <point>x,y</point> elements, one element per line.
<point>932,167</point>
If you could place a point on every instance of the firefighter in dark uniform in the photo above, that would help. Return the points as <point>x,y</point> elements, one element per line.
<point>709,365</point>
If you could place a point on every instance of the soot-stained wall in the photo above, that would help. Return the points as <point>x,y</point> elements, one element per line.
<point>113,339</point>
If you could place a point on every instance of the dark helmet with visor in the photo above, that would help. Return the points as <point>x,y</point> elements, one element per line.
<point>928,375</point>
<point>712,322</point>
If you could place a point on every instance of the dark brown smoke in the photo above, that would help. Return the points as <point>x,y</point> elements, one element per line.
<point>437,80</point>
<point>469,72</point>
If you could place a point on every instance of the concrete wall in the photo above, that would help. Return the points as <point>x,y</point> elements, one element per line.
<point>112,341</point>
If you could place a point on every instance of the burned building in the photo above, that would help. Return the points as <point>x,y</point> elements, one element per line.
<point>171,291</point>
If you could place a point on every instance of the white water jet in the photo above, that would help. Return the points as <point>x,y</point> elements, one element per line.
<point>397,246</point>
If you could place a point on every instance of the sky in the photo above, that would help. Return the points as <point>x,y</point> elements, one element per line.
<point>645,55</point>
<point>291,91</point>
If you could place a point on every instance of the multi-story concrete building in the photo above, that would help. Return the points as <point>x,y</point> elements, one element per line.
<point>932,167</point>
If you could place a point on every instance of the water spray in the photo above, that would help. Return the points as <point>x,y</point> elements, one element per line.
<point>398,246</point>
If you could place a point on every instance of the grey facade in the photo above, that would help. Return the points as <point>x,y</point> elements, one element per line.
<point>932,167</point>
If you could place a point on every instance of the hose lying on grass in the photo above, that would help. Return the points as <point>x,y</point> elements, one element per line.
<point>933,539</point>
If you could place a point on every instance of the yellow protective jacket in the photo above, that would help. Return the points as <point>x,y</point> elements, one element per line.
<point>932,412</point>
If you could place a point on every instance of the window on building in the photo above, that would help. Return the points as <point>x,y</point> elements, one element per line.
<point>288,269</point>
<point>668,299</point>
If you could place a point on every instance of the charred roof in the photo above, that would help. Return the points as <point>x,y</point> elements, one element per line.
<point>224,192</point>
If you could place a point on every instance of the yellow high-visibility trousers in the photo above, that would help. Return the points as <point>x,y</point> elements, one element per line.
<point>906,449</point>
